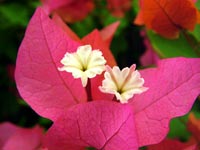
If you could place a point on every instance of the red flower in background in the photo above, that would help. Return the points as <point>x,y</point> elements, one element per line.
<point>100,123</point>
<point>169,144</point>
<point>72,10</point>
<point>69,10</point>
<point>168,18</point>
<point>118,7</point>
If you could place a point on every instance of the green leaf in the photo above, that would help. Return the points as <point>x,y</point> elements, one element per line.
<point>178,128</point>
<point>136,6</point>
<point>13,14</point>
<point>45,122</point>
<point>171,48</point>
<point>198,4</point>
<point>196,32</point>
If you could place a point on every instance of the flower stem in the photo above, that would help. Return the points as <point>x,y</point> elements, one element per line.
<point>115,99</point>
<point>88,90</point>
<point>194,46</point>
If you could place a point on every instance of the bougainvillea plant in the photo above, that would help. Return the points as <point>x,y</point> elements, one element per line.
<point>77,84</point>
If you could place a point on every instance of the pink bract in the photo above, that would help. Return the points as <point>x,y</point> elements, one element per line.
<point>173,87</point>
<point>149,57</point>
<point>101,124</point>
<point>38,79</point>
<point>17,138</point>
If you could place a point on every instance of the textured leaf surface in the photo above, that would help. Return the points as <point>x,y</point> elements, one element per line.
<point>47,90</point>
<point>100,124</point>
<point>173,88</point>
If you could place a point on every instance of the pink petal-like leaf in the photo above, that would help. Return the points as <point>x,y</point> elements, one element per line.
<point>47,90</point>
<point>107,33</point>
<point>16,138</point>
<point>173,88</point>
<point>6,131</point>
<point>149,57</point>
<point>101,124</point>
<point>65,28</point>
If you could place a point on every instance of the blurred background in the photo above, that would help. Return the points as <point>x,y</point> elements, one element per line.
<point>127,46</point>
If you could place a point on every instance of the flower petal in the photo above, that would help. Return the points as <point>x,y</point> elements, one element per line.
<point>124,84</point>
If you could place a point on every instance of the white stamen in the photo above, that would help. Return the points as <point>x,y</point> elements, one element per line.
<point>122,83</point>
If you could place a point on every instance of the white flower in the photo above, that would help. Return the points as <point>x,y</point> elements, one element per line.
<point>85,63</point>
<point>123,84</point>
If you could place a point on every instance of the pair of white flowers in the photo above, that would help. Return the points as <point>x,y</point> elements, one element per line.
<point>87,63</point>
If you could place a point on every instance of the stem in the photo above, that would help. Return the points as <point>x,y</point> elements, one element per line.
<point>88,90</point>
<point>191,42</point>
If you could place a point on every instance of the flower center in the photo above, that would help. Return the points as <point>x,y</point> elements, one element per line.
<point>122,83</point>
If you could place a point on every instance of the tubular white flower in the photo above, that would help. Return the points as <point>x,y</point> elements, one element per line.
<point>85,63</point>
<point>123,84</point>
